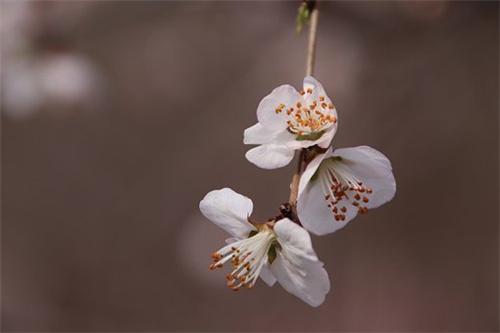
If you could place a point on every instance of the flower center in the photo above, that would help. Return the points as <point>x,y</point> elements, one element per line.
<point>247,257</point>
<point>309,122</point>
<point>342,188</point>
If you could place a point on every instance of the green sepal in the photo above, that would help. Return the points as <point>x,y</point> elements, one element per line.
<point>303,16</point>
<point>272,252</point>
<point>310,136</point>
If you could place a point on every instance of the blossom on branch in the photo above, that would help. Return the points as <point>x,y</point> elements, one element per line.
<point>276,251</point>
<point>341,183</point>
<point>289,120</point>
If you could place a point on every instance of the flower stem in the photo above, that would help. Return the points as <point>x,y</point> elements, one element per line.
<point>294,186</point>
<point>311,45</point>
<point>311,51</point>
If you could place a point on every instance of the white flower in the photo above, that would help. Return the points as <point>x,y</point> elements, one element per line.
<point>340,183</point>
<point>289,120</point>
<point>280,251</point>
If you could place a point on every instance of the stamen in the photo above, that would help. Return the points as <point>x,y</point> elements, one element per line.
<point>340,185</point>
<point>309,119</point>
<point>280,108</point>
<point>247,257</point>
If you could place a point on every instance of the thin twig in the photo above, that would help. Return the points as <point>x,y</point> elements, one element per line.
<point>294,186</point>
<point>311,50</point>
<point>311,46</point>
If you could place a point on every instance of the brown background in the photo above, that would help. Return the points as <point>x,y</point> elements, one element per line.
<point>100,222</point>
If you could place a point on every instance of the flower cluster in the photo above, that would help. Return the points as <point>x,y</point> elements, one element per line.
<point>335,185</point>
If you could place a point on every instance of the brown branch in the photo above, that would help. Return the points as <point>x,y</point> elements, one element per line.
<point>311,51</point>
<point>311,45</point>
<point>294,186</point>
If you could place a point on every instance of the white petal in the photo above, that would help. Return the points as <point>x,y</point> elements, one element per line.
<point>267,276</point>
<point>312,209</point>
<point>311,169</point>
<point>367,165</point>
<point>296,266</point>
<point>326,139</point>
<point>374,169</point>
<point>314,95</point>
<point>314,213</point>
<point>266,111</point>
<point>258,134</point>
<point>308,98</point>
<point>229,210</point>
<point>294,240</point>
<point>309,282</point>
<point>270,156</point>
<point>317,88</point>
<point>231,240</point>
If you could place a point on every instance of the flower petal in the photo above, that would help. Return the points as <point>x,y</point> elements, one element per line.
<point>229,210</point>
<point>267,276</point>
<point>314,213</point>
<point>312,209</point>
<point>270,156</point>
<point>374,169</point>
<point>296,266</point>
<point>310,283</point>
<point>258,134</point>
<point>266,111</point>
<point>314,92</point>
<point>294,239</point>
<point>231,240</point>
<point>311,169</point>
<point>326,139</point>
<point>311,83</point>
<point>367,165</point>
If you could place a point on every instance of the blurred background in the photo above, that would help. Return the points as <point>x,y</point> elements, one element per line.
<point>118,117</point>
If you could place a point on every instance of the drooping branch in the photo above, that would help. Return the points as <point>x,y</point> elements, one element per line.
<point>311,52</point>
<point>294,186</point>
<point>311,45</point>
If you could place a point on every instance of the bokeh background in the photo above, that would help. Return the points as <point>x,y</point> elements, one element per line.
<point>118,117</point>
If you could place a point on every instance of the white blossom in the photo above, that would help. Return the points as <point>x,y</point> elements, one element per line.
<point>280,251</point>
<point>289,120</point>
<point>341,183</point>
